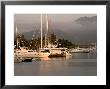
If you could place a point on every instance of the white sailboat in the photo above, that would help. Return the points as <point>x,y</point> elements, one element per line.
<point>54,51</point>
<point>24,52</point>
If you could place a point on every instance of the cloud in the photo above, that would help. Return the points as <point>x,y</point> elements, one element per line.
<point>86,20</point>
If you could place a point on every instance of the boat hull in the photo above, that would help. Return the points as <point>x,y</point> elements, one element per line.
<point>80,50</point>
<point>36,55</point>
<point>57,55</point>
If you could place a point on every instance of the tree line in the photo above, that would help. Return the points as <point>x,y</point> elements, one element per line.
<point>35,43</point>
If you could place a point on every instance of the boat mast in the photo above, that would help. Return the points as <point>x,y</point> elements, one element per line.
<point>41,30</point>
<point>17,37</point>
<point>47,28</point>
<point>45,40</point>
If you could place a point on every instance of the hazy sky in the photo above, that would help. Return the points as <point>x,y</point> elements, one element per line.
<point>74,27</point>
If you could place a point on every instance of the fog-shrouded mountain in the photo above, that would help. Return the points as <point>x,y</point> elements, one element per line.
<point>82,29</point>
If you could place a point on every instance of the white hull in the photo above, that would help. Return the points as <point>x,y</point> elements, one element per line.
<point>79,50</point>
<point>24,53</point>
<point>35,55</point>
<point>58,52</point>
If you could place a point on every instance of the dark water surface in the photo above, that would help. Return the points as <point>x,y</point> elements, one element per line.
<point>79,64</point>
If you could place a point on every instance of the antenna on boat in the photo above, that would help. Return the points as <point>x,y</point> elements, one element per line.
<point>41,30</point>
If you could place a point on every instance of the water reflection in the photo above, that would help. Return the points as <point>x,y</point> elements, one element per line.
<point>75,65</point>
<point>54,58</point>
<point>40,59</point>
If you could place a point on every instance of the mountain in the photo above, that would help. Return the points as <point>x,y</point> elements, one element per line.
<point>79,36</point>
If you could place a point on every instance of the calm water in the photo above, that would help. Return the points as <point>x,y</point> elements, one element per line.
<point>79,64</point>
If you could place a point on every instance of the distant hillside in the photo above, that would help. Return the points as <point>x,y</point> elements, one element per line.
<point>79,37</point>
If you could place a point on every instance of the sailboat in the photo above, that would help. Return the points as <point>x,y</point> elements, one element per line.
<point>24,52</point>
<point>54,51</point>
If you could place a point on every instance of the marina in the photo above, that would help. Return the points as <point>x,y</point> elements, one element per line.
<point>49,53</point>
<point>46,54</point>
<point>49,49</point>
